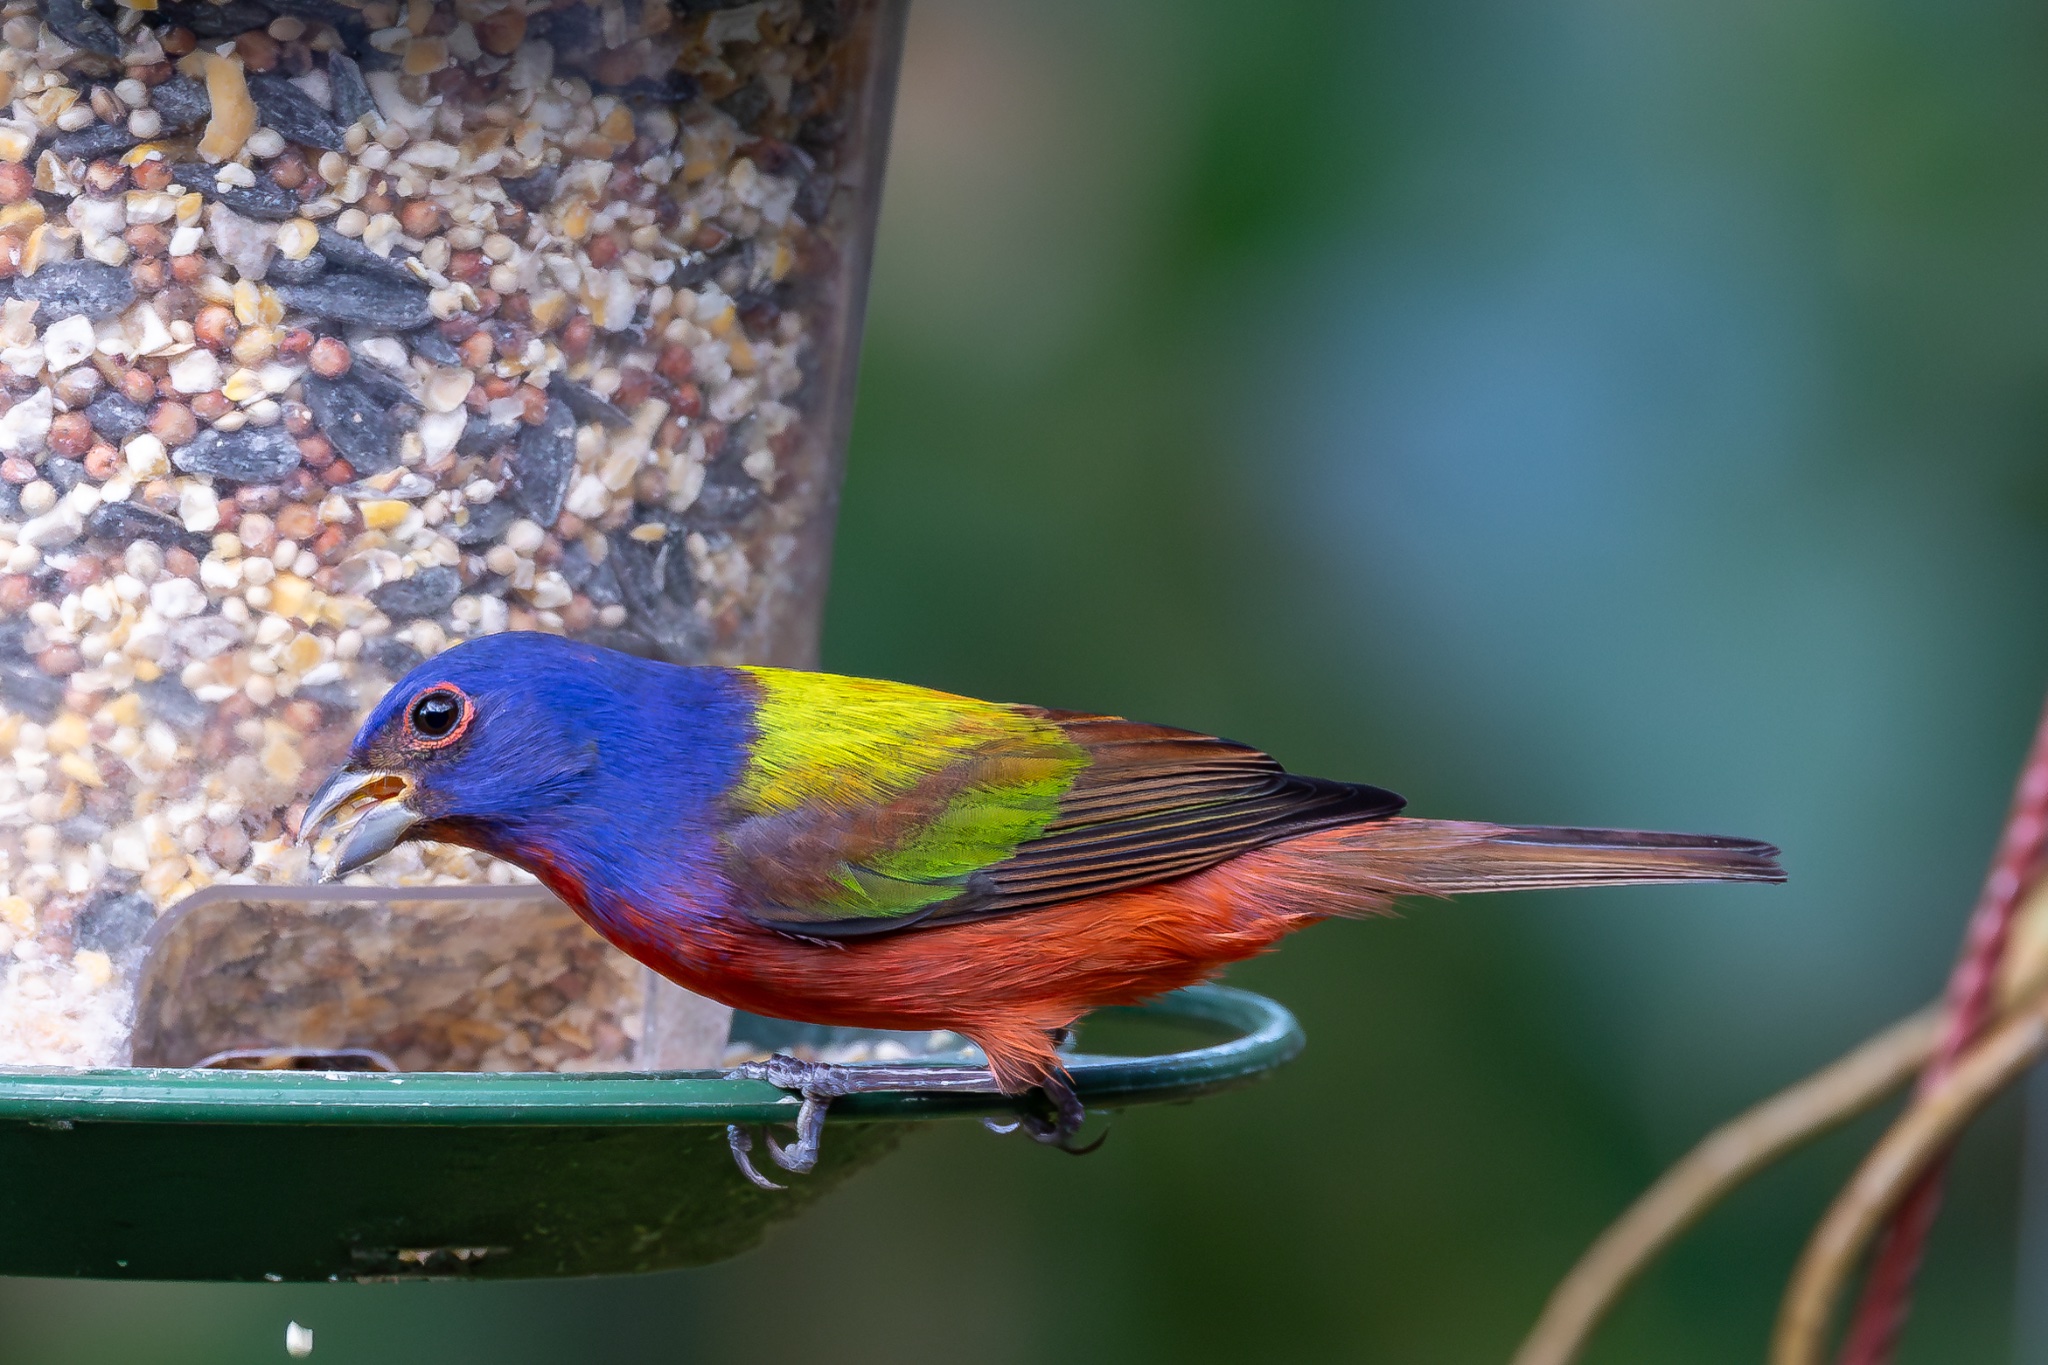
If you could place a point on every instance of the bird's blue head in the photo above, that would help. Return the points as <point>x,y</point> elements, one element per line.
<point>508,743</point>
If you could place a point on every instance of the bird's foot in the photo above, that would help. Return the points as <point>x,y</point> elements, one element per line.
<point>820,1083</point>
<point>1057,1128</point>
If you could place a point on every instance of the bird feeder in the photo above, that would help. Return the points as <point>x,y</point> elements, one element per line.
<point>330,1175</point>
<point>332,335</point>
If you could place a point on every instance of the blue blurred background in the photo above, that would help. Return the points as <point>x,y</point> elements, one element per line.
<point>1557,411</point>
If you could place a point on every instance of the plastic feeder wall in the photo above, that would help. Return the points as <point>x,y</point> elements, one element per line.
<point>326,343</point>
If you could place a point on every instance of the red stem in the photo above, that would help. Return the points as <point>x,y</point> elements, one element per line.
<point>1888,1291</point>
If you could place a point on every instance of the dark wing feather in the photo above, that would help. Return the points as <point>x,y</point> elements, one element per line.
<point>1152,804</point>
<point>1157,803</point>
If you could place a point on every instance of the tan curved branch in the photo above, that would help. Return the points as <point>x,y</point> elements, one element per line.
<point>1738,1149</point>
<point>1721,1162</point>
<point>1912,1145</point>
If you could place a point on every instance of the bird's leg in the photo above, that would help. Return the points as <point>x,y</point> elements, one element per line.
<point>820,1083</point>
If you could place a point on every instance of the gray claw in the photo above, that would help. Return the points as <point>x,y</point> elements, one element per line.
<point>742,1145</point>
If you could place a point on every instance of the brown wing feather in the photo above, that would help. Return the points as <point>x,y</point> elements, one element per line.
<point>1153,804</point>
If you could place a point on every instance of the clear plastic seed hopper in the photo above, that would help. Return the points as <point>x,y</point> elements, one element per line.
<point>333,332</point>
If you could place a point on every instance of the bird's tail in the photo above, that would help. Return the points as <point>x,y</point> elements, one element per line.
<point>1358,869</point>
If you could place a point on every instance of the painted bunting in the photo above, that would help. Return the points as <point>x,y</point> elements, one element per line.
<point>847,851</point>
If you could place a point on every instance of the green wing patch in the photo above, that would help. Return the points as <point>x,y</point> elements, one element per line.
<point>876,800</point>
<point>872,806</point>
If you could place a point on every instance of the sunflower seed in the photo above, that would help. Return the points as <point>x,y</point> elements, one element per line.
<point>265,199</point>
<point>545,463</point>
<point>181,103</point>
<point>208,20</point>
<point>351,93</point>
<point>427,593</point>
<point>435,347</point>
<point>345,297</point>
<point>115,416</point>
<point>251,455</point>
<point>292,112</point>
<point>117,524</point>
<point>587,406</point>
<point>171,702</point>
<point>29,690</point>
<point>98,291</point>
<point>101,139</point>
<point>285,270</point>
<point>486,524</point>
<point>346,253</point>
<point>355,421</point>
<point>80,27</point>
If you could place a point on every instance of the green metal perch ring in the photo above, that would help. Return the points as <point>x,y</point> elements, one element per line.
<point>260,1175</point>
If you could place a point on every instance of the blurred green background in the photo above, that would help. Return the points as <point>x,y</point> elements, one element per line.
<point>1557,411</point>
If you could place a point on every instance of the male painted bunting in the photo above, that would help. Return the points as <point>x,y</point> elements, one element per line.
<point>845,851</point>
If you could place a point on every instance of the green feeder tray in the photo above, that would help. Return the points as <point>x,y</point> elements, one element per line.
<point>170,1174</point>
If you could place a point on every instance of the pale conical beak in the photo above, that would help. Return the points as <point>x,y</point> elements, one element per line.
<point>377,799</point>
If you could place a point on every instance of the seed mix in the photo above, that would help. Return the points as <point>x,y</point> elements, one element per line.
<point>333,332</point>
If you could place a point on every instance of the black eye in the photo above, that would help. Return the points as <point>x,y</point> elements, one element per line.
<point>436,715</point>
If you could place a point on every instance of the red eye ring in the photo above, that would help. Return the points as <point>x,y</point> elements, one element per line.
<point>427,713</point>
